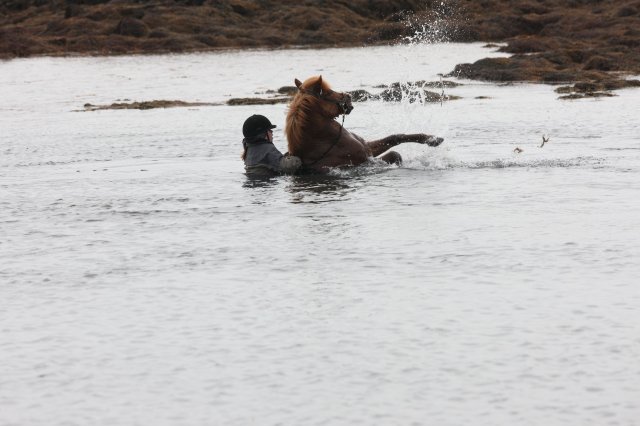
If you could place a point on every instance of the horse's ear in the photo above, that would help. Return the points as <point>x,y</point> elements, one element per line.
<point>318,85</point>
<point>298,83</point>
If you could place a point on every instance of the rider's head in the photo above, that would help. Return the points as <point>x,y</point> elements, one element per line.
<point>256,125</point>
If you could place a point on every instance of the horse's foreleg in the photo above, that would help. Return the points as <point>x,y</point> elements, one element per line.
<point>392,157</point>
<point>382,145</point>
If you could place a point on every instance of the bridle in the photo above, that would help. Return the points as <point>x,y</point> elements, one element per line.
<point>342,102</point>
<point>344,110</point>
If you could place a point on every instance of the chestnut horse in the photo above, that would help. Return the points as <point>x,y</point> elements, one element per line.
<point>321,142</point>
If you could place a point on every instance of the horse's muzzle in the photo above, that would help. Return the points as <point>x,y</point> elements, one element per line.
<point>346,105</point>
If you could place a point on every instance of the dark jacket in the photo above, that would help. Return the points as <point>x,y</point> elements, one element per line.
<point>263,158</point>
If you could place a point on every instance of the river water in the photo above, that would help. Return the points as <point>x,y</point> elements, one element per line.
<point>145,280</point>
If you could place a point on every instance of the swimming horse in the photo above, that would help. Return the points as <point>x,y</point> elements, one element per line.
<point>321,142</point>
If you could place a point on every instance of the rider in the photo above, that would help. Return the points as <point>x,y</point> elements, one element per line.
<point>260,155</point>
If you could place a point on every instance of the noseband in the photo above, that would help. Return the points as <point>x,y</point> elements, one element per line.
<point>342,102</point>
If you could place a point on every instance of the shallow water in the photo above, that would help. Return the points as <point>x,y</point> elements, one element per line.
<point>145,280</point>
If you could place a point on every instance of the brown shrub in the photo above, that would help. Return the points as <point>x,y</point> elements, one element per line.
<point>600,63</point>
<point>625,11</point>
<point>17,5</point>
<point>72,10</point>
<point>61,41</point>
<point>116,44</point>
<point>488,69</point>
<point>159,33</point>
<point>389,31</point>
<point>577,56</point>
<point>56,28</point>
<point>625,41</point>
<point>172,45</point>
<point>15,43</point>
<point>464,32</point>
<point>79,27</point>
<point>98,15</point>
<point>207,40</point>
<point>527,7</point>
<point>131,27</point>
<point>136,13</point>
<point>558,58</point>
<point>84,44</point>
<point>243,8</point>
<point>558,77</point>
<point>526,45</point>
<point>385,8</point>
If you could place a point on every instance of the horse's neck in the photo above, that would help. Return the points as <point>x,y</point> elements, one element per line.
<point>315,131</point>
<point>325,127</point>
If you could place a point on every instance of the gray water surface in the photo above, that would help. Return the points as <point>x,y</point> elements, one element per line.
<point>144,279</point>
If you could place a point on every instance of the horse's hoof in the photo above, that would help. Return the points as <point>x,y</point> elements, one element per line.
<point>435,141</point>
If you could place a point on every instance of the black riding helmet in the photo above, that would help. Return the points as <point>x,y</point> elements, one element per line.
<point>255,125</point>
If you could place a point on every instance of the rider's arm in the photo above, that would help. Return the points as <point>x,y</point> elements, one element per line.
<point>289,164</point>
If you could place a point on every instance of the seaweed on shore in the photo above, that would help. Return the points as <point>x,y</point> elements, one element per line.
<point>144,105</point>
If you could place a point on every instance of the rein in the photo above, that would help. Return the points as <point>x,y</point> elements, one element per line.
<point>342,104</point>
<point>335,142</point>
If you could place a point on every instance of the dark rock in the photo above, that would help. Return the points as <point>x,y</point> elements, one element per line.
<point>488,69</point>
<point>360,95</point>
<point>398,92</point>
<point>439,84</point>
<point>586,86</point>
<point>586,95</point>
<point>288,90</point>
<point>564,89</point>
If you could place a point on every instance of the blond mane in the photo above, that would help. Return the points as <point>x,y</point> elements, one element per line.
<point>300,112</point>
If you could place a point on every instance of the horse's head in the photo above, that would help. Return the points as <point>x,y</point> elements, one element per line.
<point>333,103</point>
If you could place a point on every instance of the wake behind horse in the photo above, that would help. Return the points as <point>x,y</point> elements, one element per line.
<point>321,142</point>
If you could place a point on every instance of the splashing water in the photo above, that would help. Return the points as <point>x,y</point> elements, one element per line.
<point>437,25</point>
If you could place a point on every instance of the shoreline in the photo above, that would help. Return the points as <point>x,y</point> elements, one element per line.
<point>550,41</point>
<point>98,54</point>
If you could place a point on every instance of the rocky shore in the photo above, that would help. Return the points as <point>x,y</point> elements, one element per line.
<point>105,27</point>
<point>556,41</point>
<point>552,41</point>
